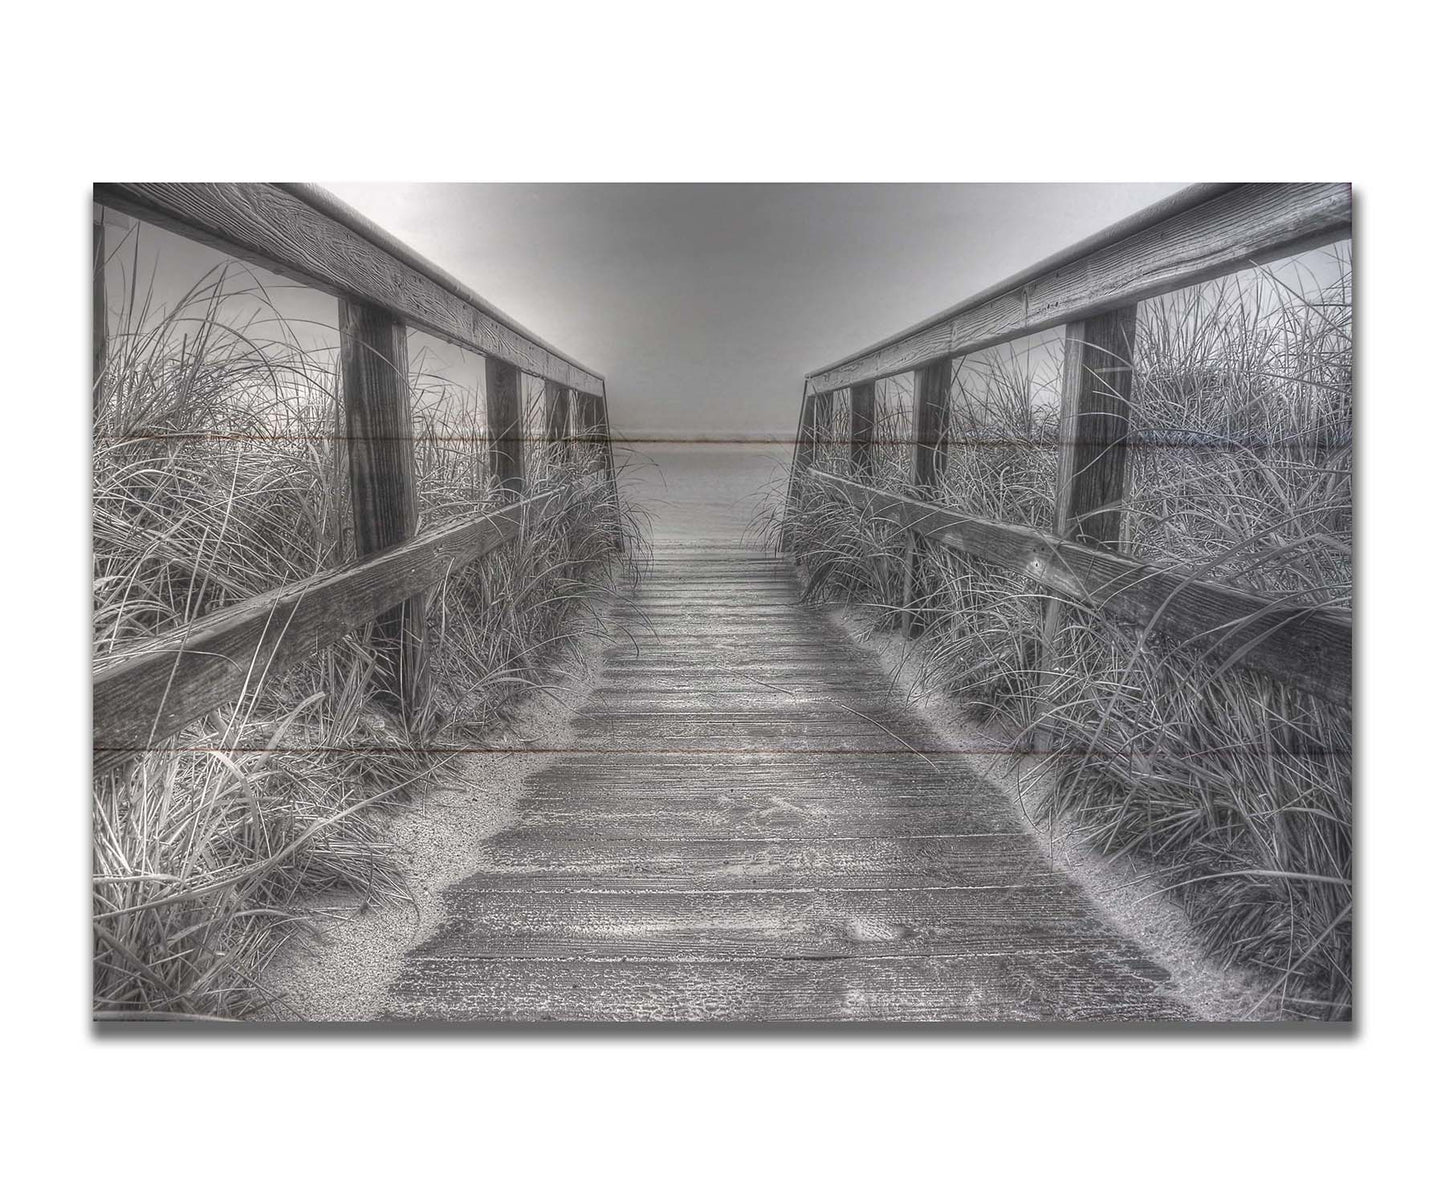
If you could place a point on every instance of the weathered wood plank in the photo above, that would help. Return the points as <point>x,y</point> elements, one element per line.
<point>1099,986</point>
<point>1247,224</point>
<point>153,689</point>
<point>505,451</point>
<point>753,789</point>
<point>301,234</point>
<point>528,862</point>
<point>1021,918</point>
<point>1309,647</point>
<point>381,468</point>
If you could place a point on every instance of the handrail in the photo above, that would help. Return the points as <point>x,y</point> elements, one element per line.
<point>1092,289</point>
<point>1305,646</point>
<point>383,288</point>
<point>154,688</point>
<point>307,235</point>
<point>1194,236</point>
<point>1152,215</point>
<point>333,206</point>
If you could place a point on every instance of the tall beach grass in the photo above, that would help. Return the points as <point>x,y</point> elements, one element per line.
<point>218,474</point>
<point>1235,789</point>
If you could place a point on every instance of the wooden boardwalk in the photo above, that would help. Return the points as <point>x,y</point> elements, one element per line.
<point>738,833</point>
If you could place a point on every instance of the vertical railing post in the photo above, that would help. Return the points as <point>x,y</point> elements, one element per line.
<point>1094,428</point>
<point>863,407</point>
<point>611,463</point>
<point>557,406</point>
<point>594,428</point>
<point>99,313</point>
<point>505,449</point>
<point>931,386</point>
<point>589,419</point>
<point>822,423</point>
<point>581,414</point>
<point>802,459</point>
<point>382,473</point>
<point>558,412</point>
<point>1093,473</point>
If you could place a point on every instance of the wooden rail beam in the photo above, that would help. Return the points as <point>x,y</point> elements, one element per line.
<point>309,236</point>
<point>381,469</point>
<point>1231,228</point>
<point>863,409</point>
<point>1308,647</point>
<point>152,690</point>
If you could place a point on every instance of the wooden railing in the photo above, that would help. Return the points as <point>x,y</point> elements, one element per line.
<point>1092,289</point>
<point>383,288</point>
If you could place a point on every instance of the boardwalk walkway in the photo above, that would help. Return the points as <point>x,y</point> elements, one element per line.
<point>734,836</point>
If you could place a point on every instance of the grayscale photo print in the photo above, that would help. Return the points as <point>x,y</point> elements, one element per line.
<point>847,604</point>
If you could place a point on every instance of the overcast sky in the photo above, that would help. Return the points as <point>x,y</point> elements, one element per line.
<point>704,305</point>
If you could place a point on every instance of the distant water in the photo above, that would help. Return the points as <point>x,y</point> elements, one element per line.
<point>704,493</point>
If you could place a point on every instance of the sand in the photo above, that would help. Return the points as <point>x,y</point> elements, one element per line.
<point>1124,889</point>
<point>343,974</point>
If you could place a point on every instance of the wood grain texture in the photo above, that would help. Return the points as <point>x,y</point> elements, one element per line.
<point>153,689</point>
<point>528,861</point>
<point>505,453</point>
<point>1308,647</point>
<point>381,470</point>
<point>930,425</point>
<point>737,832</point>
<point>1084,986</point>
<point>275,228</point>
<point>837,919</point>
<point>1247,224</point>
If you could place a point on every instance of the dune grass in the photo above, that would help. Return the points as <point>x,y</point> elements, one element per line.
<point>1236,789</point>
<point>217,475</point>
